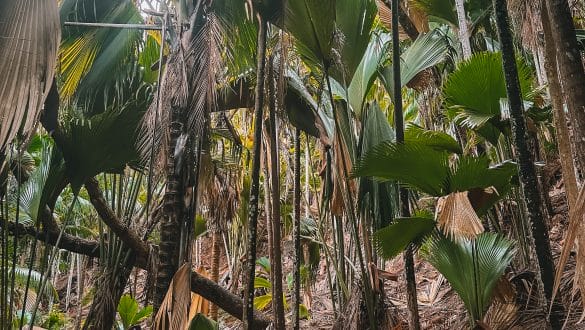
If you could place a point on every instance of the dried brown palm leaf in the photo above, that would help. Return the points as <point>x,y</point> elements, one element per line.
<point>575,220</point>
<point>174,310</point>
<point>456,217</point>
<point>29,38</point>
<point>198,303</point>
<point>385,14</point>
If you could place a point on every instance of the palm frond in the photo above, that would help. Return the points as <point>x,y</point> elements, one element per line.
<point>426,51</point>
<point>472,267</point>
<point>437,140</point>
<point>364,75</point>
<point>353,20</point>
<point>472,93</point>
<point>29,40</point>
<point>174,310</point>
<point>427,168</point>
<point>394,238</point>
<point>315,36</point>
<point>90,58</point>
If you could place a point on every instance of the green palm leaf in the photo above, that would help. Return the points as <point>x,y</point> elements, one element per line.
<point>312,23</point>
<point>472,267</point>
<point>442,11</point>
<point>89,57</point>
<point>425,52</point>
<point>472,93</point>
<point>394,238</point>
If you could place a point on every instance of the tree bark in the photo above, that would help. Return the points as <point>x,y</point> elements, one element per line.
<point>570,67</point>
<point>463,29</point>
<point>527,172</point>
<point>255,179</point>
<point>170,225</point>
<point>560,120</point>
<point>414,321</point>
<point>277,291</point>
<point>215,255</point>
<point>297,231</point>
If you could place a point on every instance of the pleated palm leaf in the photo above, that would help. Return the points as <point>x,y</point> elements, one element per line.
<point>424,164</point>
<point>91,58</point>
<point>29,39</point>
<point>473,94</point>
<point>472,267</point>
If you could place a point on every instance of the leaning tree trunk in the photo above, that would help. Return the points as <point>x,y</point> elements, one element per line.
<point>527,172</point>
<point>414,322</point>
<point>570,68</point>
<point>556,96</point>
<point>255,179</point>
<point>463,29</point>
<point>170,225</point>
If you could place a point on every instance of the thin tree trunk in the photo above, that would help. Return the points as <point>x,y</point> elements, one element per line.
<point>248,316</point>
<point>297,230</point>
<point>570,67</point>
<point>527,172</point>
<point>561,128</point>
<point>170,225</point>
<point>414,321</point>
<point>277,292</point>
<point>463,29</point>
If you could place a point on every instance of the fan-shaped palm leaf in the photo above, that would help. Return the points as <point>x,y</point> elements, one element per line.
<point>29,39</point>
<point>473,92</point>
<point>472,267</point>
<point>394,238</point>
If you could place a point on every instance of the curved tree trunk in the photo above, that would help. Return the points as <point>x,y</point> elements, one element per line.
<point>248,316</point>
<point>570,68</point>
<point>527,171</point>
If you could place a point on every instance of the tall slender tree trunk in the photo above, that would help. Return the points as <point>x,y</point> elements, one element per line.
<point>414,321</point>
<point>277,292</point>
<point>255,179</point>
<point>560,120</point>
<point>170,225</point>
<point>463,29</point>
<point>527,171</point>
<point>297,230</point>
<point>570,68</point>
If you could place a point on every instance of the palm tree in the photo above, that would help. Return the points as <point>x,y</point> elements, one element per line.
<point>526,170</point>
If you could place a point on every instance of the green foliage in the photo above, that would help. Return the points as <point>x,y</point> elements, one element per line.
<point>431,172</point>
<point>200,226</point>
<point>129,312</point>
<point>55,320</point>
<point>472,267</point>
<point>201,322</point>
<point>315,35</point>
<point>393,239</point>
<point>426,51</point>
<point>473,94</point>
<point>441,10</point>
